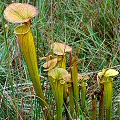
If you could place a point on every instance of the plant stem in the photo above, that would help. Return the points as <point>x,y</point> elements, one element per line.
<point>70,92</point>
<point>108,99</point>
<point>83,95</point>
<point>101,104</point>
<point>59,102</point>
<point>75,86</point>
<point>94,108</point>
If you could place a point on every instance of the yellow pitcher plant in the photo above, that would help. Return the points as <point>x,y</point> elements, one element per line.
<point>22,13</point>
<point>56,76</point>
<point>107,81</point>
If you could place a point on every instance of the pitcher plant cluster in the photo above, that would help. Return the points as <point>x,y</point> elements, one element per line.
<point>68,86</point>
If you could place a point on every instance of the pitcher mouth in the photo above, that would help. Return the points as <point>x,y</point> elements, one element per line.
<point>22,29</point>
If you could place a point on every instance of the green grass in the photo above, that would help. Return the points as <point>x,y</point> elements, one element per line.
<point>90,28</point>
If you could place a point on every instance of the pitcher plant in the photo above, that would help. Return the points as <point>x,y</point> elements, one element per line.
<point>22,13</point>
<point>107,81</point>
